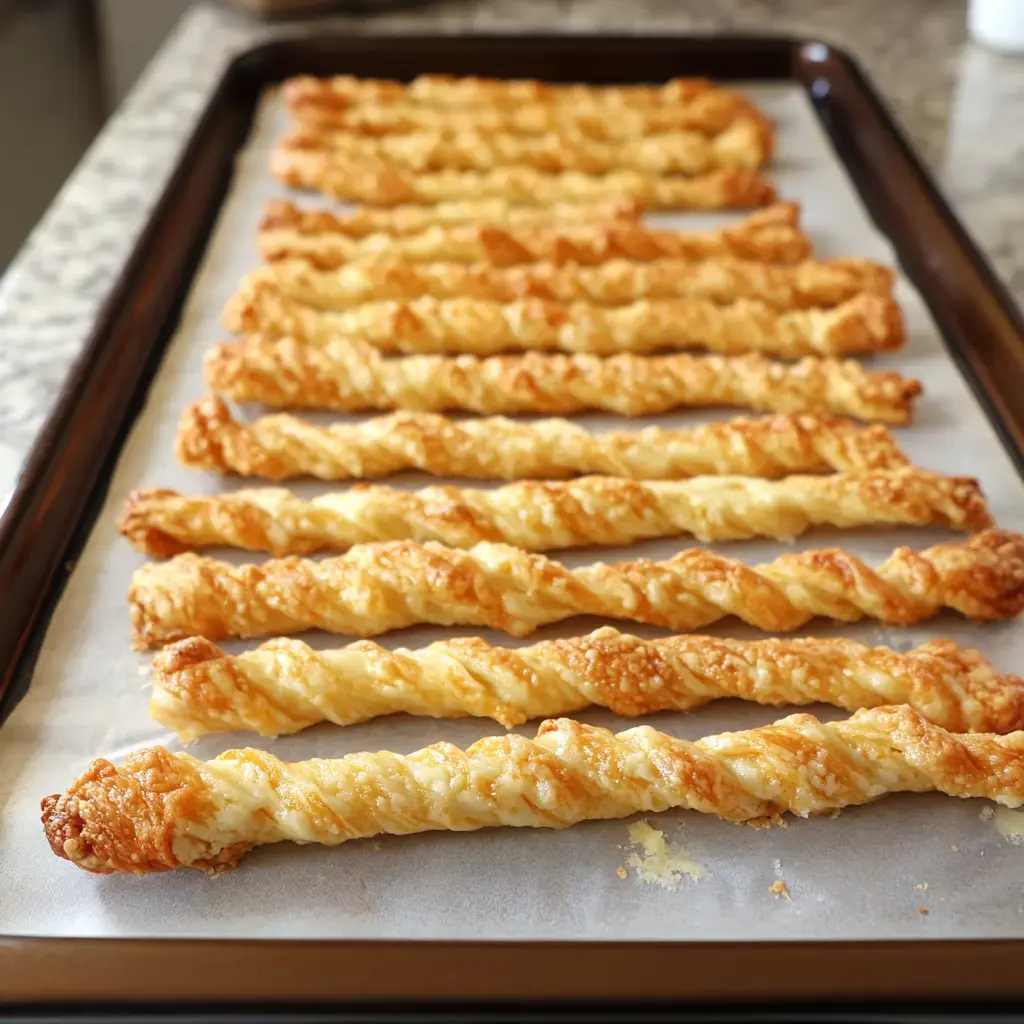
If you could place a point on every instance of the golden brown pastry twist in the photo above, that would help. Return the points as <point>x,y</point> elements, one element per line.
<point>162,811</point>
<point>325,240</point>
<point>384,183</point>
<point>614,283</point>
<point>745,144</point>
<point>281,447</point>
<point>711,112</point>
<point>439,90</point>
<point>355,377</point>
<point>284,686</point>
<point>863,324</point>
<point>399,221</point>
<point>541,516</point>
<point>376,588</point>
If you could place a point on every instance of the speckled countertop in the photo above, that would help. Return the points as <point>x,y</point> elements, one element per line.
<point>962,106</point>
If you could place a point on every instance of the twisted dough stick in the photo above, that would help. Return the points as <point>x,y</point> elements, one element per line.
<point>615,283</point>
<point>745,144</point>
<point>536,516</point>
<point>346,91</point>
<point>865,323</point>
<point>285,686</point>
<point>382,183</point>
<point>376,588</point>
<point>354,377</point>
<point>162,811</point>
<point>324,240</point>
<point>399,221</point>
<point>711,112</point>
<point>282,447</point>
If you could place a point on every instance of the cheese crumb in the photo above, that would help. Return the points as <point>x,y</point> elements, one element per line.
<point>955,848</point>
<point>921,886</point>
<point>1010,824</point>
<point>778,888</point>
<point>659,863</point>
<point>922,910</point>
<point>987,813</point>
<point>621,872</point>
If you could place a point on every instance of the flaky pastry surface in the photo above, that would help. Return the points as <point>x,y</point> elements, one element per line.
<point>161,810</point>
<point>863,324</point>
<point>385,183</point>
<point>351,376</point>
<point>376,588</point>
<point>398,221</point>
<point>544,516</point>
<point>446,91</point>
<point>616,282</point>
<point>745,144</point>
<point>281,447</point>
<point>324,240</point>
<point>285,686</point>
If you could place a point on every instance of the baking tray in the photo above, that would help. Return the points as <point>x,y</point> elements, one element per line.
<point>65,481</point>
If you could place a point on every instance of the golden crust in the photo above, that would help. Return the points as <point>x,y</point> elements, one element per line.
<point>355,377</point>
<point>285,686</point>
<point>399,221</point>
<point>375,588</point>
<point>282,447</point>
<point>710,112</point>
<point>539,516</point>
<point>745,144</point>
<point>616,282</point>
<point>125,819</point>
<point>863,324</point>
<point>454,91</point>
<point>379,182</point>
<point>324,240</point>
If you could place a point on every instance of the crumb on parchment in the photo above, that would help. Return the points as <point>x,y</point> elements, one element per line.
<point>922,910</point>
<point>921,886</point>
<point>778,888</point>
<point>621,872</point>
<point>658,862</point>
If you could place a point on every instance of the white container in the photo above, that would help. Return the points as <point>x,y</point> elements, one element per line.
<point>998,24</point>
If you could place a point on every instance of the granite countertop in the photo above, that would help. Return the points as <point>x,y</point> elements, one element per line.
<point>962,106</point>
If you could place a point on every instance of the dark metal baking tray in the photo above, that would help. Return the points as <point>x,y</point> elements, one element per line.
<point>64,482</point>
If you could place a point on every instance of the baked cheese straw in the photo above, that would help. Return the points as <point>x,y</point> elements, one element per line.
<point>863,324</point>
<point>745,144</point>
<point>399,221</point>
<point>540,516</point>
<point>355,377</point>
<point>282,447</point>
<point>379,182</point>
<point>161,811</point>
<point>614,283</point>
<point>325,240</point>
<point>710,112</point>
<point>285,686</point>
<point>438,90</point>
<point>376,588</point>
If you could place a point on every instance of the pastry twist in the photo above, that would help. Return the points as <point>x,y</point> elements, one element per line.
<point>744,144</point>
<point>614,283</point>
<point>325,240</point>
<point>865,323</point>
<point>376,588</point>
<point>398,221</point>
<point>439,90</point>
<point>540,516</point>
<point>281,447</point>
<point>710,112</point>
<point>355,377</point>
<point>162,810</point>
<point>284,686</point>
<point>384,183</point>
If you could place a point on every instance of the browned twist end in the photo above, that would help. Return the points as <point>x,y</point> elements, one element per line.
<point>882,319</point>
<point>748,188</point>
<point>135,818</point>
<point>136,524</point>
<point>989,582</point>
<point>202,431</point>
<point>279,214</point>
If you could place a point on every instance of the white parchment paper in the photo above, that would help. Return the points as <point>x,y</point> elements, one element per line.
<point>865,874</point>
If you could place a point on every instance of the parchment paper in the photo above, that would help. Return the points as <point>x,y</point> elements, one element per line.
<point>861,875</point>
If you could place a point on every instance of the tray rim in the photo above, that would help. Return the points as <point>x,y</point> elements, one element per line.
<point>52,970</point>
